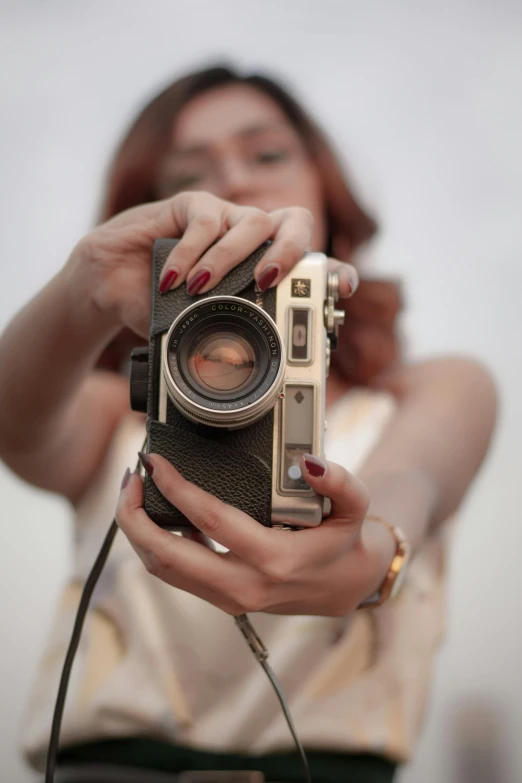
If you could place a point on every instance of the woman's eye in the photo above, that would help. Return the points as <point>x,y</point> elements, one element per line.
<point>271,156</point>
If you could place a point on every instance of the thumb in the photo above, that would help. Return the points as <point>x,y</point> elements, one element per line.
<point>349,495</point>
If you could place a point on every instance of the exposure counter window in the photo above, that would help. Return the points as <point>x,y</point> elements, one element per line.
<point>300,335</point>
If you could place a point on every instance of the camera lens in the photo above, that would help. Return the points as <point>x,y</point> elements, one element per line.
<point>221,360</point>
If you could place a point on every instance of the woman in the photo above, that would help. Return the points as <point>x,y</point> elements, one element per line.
<point>162,682</point>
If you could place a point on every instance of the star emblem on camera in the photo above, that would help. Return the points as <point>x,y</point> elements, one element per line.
<point>300,287</point>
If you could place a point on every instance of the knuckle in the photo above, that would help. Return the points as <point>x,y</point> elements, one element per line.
<point>345,483</point>
<point>355,492</point>
<point>88,247</point>
<point>186,252</point>
<point>121,514</point>
<point>150,565</point>
<point>259,220</point>
<point>224,254</point>
<point>277,569</point>
<point>254,599</point>
<point>230,607</point>
<point>180,197</point>
<point>206,220</point>
<point>207,519</point>
<point>192,196</point>
<point>304,215</point>
<point>291,248</point>
<point>179,201</point>
<point>155,563</point>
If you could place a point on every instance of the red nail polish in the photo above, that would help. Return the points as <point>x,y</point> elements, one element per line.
<point>197,282</point>
<point>315,466</point>
<point>145,461</point>
<point>167,281</point>
<point>354,285</point>
<point>267,277</point>
<point>126,478</point>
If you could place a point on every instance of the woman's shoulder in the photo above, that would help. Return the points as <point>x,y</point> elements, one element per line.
<point>467,371</point>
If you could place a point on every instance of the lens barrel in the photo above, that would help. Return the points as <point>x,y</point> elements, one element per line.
<point>223,361</point>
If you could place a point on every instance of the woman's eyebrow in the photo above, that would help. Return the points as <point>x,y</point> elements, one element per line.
<point>254,130</point>
<point>191,151</point>
<point>203,148</point>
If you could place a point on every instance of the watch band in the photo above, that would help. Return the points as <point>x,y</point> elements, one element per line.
<point>395,576</point>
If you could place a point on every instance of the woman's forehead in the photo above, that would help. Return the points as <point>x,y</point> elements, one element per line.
<point>225,113</point>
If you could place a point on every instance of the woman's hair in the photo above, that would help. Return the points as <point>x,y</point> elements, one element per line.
<point>368,340</point>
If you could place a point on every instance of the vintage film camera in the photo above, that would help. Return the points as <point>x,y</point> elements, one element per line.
<point>233,383</point>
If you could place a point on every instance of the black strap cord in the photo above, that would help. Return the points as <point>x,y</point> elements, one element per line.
<point>261,653</point>
<point>88,589</point>
<point>83,606</point>
<point>242,621</point>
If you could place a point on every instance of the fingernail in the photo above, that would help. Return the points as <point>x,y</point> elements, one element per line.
<point>197,282</point>
<point>126,477</point>
<point>145,461</point>
<point>267,277</point>
<point>315,466</point>
<point>167,281</point>
<point>353,282</point>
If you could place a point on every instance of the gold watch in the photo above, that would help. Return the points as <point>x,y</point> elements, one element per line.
<point>395,576</point>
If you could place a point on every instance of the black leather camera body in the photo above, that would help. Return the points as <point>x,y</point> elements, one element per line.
<point>233,384</point>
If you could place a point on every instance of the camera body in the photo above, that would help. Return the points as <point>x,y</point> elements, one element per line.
<point>233,383</point>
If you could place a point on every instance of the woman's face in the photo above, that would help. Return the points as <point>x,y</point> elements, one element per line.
<point>235,142</point>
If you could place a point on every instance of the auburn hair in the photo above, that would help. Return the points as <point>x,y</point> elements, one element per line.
<point>368,342</point>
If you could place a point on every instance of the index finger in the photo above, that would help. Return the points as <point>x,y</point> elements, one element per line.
<point>222,523</point>
<point>293,234</point>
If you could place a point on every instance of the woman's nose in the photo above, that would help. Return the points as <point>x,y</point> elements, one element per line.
<point>237,180</point>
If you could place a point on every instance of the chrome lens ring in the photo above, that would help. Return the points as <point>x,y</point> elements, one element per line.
<point>204,401</point>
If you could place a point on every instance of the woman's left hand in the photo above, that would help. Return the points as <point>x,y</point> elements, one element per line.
<point>326,570</point>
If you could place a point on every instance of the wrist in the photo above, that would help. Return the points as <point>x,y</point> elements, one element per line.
<point>404,497</point>
<point>380,547</point>
<point>90,317</point>
<point>392,581</point>
<point>85,331</point>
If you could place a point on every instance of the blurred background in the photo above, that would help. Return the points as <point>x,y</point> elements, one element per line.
<point>423,98</point>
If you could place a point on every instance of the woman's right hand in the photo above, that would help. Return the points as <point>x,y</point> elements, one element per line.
<point>111,266</point>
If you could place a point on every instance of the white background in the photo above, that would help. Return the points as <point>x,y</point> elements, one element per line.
<point>425,100</point>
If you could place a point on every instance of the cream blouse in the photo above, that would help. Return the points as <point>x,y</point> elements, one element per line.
<point>156,661</point>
